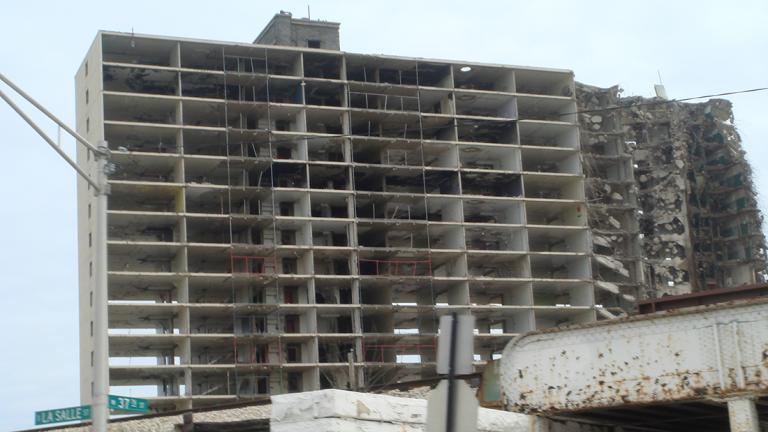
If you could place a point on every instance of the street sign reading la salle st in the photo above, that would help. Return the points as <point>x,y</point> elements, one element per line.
<point>63,415</point>
<point>80,413</point>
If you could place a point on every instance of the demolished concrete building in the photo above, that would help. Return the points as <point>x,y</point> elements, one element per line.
<point>670,194</point>
<point>612,197</point>
<point>288,217</point>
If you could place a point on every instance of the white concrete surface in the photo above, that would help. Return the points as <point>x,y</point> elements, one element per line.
<point>341,411</point>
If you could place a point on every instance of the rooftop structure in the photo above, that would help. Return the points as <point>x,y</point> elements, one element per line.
<point>284,30</point>
<point>291,218</point>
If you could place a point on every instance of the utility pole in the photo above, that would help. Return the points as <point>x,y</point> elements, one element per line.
<point>99,403</point>
<point>101,188</point>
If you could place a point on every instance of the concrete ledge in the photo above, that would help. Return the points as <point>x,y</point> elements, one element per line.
<point>343,425</point>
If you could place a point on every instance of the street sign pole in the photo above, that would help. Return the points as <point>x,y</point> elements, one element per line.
<point>100,301</point>
<point>452,405</point>
<point>449,414</point>
<point>100,308</point>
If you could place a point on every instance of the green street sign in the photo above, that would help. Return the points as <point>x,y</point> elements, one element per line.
<point>117,403</point>
<point>125,403</point>
<point>63,415</point>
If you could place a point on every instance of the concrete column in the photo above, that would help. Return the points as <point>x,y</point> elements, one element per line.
<point>539,424</point>
<point>742,415</point>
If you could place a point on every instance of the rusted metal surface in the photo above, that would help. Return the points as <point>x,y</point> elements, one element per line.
<point>709,352</point>
<point>699,298</point>
<point>489,393</point>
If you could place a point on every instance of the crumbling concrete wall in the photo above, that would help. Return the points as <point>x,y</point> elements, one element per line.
<point>688,185</point>
<point>658,134</point>
<point>726,223</point>
<point>611,197</point>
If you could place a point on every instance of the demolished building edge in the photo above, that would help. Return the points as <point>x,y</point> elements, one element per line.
<point>699,224</point>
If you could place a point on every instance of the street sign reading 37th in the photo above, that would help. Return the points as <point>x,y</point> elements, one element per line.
<point>124,403</point>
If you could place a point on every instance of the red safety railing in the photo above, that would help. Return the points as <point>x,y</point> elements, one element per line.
<point>249,264</point>
<point>373,267</point>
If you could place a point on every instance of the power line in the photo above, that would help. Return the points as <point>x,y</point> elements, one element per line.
<point>664,102</point>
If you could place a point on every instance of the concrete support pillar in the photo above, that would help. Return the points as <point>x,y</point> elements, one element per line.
<point>539,424</point>
<point>742,415</point>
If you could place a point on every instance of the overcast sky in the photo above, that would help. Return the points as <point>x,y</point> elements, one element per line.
<point>699,47</point>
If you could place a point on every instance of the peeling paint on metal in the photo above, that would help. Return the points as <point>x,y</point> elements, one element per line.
<point>709,352</point>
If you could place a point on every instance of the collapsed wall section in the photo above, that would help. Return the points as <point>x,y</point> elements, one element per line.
<point>658,134</point>
<point>674,174</point>
<point>726,223</point>
<point>611,192</point>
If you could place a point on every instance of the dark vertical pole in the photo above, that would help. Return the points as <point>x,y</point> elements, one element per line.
<point>449,415</point>
<point>189,423</point>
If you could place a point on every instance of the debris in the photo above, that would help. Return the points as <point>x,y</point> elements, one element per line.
<point>612,263</point>
<point>690,196</point>
<point>608,286</point>
<point>616,224</point>
<point>600,240</point>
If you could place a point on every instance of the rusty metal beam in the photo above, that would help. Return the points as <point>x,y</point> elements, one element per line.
<point>707,353</point>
